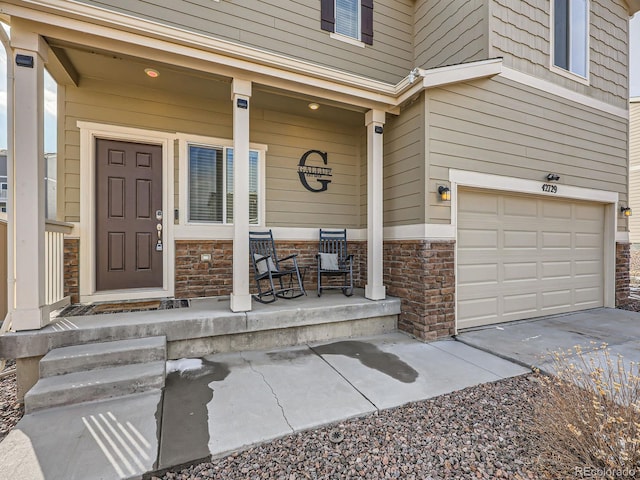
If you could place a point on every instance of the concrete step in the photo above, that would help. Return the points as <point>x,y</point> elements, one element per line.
<point>93,385</point>
<point>78,358</point>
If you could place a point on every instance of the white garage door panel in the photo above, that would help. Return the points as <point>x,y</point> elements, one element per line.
<point>523,256</point>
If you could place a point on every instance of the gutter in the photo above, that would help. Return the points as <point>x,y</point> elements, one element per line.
<point>268,66</point>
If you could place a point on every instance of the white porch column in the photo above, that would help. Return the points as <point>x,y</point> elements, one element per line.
<point>26,214</point>
<point>240,94</point>
<point>374,120</point>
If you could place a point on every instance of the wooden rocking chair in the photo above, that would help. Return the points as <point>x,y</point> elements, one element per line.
<point>333,260</point>
<point>267,267</point>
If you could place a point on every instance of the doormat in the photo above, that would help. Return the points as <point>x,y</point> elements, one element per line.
<point>122,307</point>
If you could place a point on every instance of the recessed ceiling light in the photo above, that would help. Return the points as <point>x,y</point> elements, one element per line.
<point>151,72</point>
<point>314,106</point>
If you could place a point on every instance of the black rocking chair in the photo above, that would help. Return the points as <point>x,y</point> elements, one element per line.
<point>333,260</point>
<point>267,267</point>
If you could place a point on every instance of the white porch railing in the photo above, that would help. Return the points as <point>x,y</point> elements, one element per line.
<point>54,264</point>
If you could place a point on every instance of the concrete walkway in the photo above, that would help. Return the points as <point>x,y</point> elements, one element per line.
<point>226,402</point>
<point>530,342</point>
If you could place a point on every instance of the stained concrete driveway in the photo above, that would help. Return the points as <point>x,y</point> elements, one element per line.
<point>531,342</point>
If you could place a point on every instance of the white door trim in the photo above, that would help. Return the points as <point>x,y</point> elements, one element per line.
<point>89,131</point>
<point>463,178</point>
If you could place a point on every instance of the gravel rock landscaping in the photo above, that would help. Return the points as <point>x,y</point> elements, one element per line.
<point>476,433</point>
<point>10,410</point>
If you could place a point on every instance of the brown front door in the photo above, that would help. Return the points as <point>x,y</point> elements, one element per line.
<point>128,195</point>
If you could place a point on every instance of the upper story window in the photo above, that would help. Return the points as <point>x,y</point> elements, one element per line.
<point>210,180</point>
<point>571,35</point>
<point>351,18</point>
<point>348,18</point>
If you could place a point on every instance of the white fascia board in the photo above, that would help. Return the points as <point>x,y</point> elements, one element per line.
<point>93,17</point>
<point>463,72</point>
<point>440,76</point>
<point>118,26</point>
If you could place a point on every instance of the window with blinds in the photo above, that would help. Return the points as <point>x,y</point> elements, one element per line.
<point>351,18</point>
<point>211,184</point>
<point>348,18</point>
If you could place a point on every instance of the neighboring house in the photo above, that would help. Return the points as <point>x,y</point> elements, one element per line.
<point>519,109</point>
<point>51,190</point>
<point>4,184</point>
<point>634,172</point>
<point>50,185</point>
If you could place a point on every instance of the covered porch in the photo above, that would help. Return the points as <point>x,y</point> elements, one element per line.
<point>195,242</point>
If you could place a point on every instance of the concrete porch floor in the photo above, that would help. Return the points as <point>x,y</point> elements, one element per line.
<point>209,326</point>
<point>233,400</point>
<point>332,314</point>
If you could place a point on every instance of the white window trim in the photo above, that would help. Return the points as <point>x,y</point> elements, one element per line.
<point>559,70</point>
<point>186,229</point>
<point>89,131</point>
<point>347,39</point>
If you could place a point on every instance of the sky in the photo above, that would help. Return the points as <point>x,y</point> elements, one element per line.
<point>50,107</point>
<point>50,95</point>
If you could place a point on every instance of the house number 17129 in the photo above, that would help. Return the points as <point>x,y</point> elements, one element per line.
<point>548,188</point>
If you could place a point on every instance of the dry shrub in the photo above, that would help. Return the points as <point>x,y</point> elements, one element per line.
<point>588,419</point>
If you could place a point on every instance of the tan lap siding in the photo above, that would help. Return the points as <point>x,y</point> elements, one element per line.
<point>404,172</point>
<point>448,32</point>
<point>289,204</point>
<point>504,128</point>
<point>290,28</point>
<point>287,137</point>
<point>521,33</point>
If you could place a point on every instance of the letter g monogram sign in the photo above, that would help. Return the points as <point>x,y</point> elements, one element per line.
<point>306,172</point>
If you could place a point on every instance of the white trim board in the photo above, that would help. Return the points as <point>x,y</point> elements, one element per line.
<point>534,187</point>
<point>563,92</point>
<point>422,231</point>
<point>89,131</point>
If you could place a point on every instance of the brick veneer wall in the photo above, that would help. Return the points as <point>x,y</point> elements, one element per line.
<point>422,274</point>
<point>202,279</point>
<point>623,255</point>
<point>72,269</point>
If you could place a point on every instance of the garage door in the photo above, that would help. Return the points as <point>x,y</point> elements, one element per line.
<point>526,256</point>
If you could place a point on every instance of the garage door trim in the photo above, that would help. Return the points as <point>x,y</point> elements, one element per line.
<point>505,185</point>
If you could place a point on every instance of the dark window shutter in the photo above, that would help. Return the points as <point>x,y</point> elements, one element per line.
<point>366,21</point>
<point>328,15</point>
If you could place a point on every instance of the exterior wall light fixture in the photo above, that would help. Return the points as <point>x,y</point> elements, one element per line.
<point>626,211</point>
<point>553,177</point>
<point>445,193</point>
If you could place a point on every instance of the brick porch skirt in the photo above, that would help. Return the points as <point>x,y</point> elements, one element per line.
<point>420,272</point>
